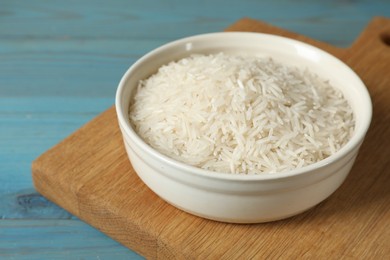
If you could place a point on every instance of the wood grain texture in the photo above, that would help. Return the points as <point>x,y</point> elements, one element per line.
<point>89,175</point>
<point>60,63</point>
<point>84,241</point>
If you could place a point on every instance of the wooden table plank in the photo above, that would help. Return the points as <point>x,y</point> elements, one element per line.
<point>57,239</point>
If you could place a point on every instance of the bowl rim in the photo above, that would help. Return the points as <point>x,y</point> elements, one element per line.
<point>352,144</point>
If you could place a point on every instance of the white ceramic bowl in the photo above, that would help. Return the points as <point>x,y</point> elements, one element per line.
<point>244,198</point>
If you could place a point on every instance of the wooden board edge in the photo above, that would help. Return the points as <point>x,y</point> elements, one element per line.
<point>44,179</point>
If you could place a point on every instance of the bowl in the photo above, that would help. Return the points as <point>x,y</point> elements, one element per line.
<point>239,198</point>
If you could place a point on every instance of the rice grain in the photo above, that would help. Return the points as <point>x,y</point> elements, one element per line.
<point>240,114</point>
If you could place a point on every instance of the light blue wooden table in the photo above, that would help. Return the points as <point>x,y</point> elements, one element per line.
<point>60,63</point>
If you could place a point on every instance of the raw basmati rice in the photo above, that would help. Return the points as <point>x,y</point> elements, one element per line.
<point>240,114</point>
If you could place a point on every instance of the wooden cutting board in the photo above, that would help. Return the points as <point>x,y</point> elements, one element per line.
<point>89,175</point>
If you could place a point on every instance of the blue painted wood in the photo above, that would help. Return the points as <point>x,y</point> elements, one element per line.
<point>60,63</point>
<point>29,126</point>
<point>29,204</point>
<point>57,239</point>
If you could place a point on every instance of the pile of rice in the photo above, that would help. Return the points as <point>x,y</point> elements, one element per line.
<point>240,114</point>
